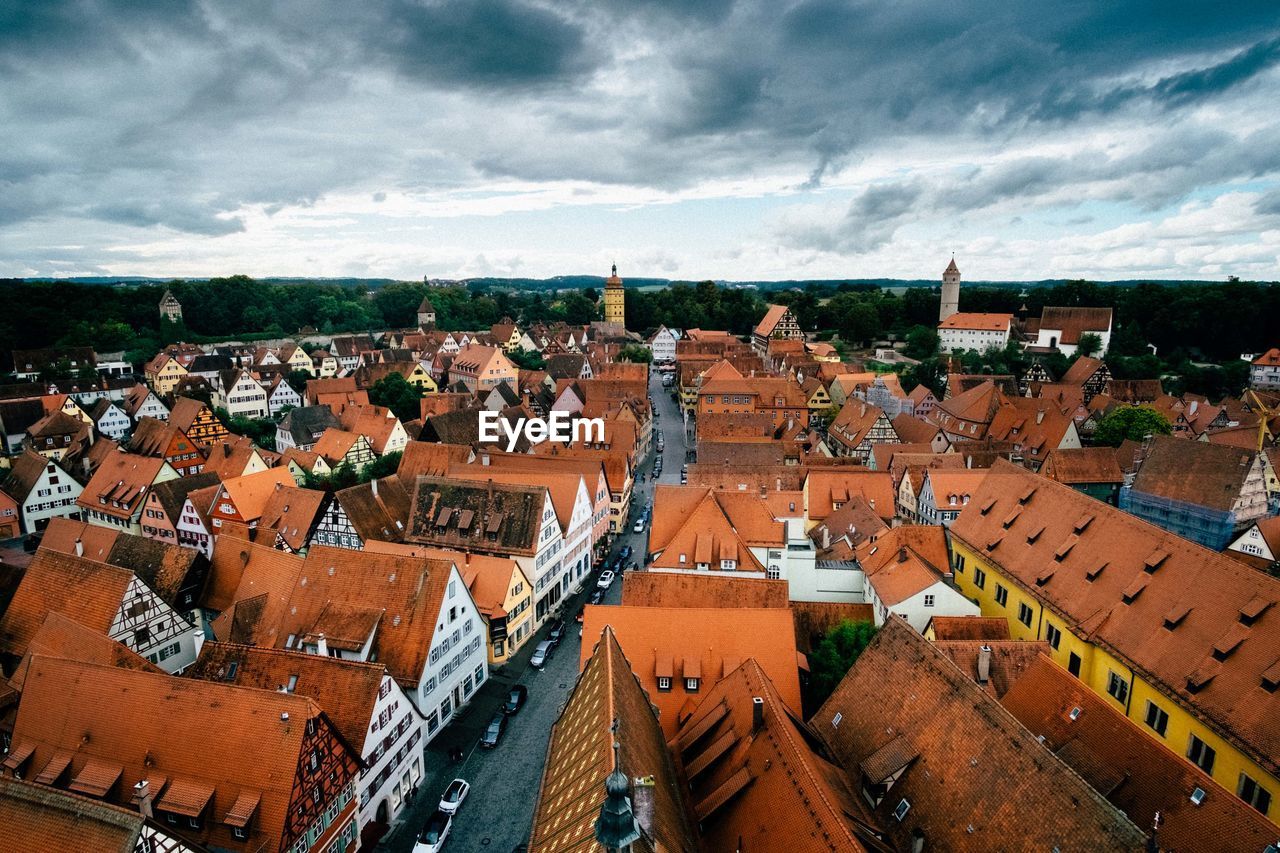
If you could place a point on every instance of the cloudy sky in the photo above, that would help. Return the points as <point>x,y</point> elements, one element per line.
<point>734,139</point>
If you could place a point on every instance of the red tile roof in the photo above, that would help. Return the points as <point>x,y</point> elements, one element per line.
<point>1130,768</point>
<point>678,589</point>
<point>987,322</point>
<point>1093,588</point>
<point>906,707</point>
<point>709,641</point>
<point>84,590</point>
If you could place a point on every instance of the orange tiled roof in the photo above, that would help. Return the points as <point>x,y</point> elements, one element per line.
<point>757,779</point>
<point>120,484</point>
<point>970,628</point>
<point>197,746</point>
<point>676,589</point>
<point>347,690</point>
<point>292,512</point>
<point>770,320</point>
<point>580,756</point>
<point>39,819</point>
<point>251,492</point>
<point>1094,588</point>
<point>62,637</point>
<point>673,641</point>
<point>987,322</point>
<point>1083,465</point>
<point>1269,358</point>
<point>84,590</point>
<point>1131,769</point>
<point>906,709</point>
<point>1194,472</point>
<point>1006,661</point>
<point>828,486</point>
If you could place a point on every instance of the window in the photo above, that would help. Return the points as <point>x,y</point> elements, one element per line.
<point>142,635</point>
<point>1002,595</point>
<point>433,722</point>
<point>928,601</point>
<point>979,578</point>
<point>446,707</point>
<point>664,683</point>
<point>1024,613</point>
<point>1117,687</point>
<point>479,675</point>
<point>1253,794</point>
<point>1157,719</point>
<point>1053,635</point>
<point>691,685</point>
<point>958,563</point>
<point>1201,754</point>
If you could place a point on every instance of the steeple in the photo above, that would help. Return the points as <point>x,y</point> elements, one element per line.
<point>614,300</point>
<point>616,828</point>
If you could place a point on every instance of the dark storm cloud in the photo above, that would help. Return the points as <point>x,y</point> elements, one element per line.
<point>483,42</point>
<point>176,114</point>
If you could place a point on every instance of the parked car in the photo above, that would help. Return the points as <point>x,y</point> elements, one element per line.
<point>434,833</point>
<point>597,596</point>
<point>542,651</point>
<point>493,734</point>
<point>516,697</point>
<point>638,527</point>
<point>606,580</point>
<point>556,634</point>
<point>625,553</point>
<point>454,795</point>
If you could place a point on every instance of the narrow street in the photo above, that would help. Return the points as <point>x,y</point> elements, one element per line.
<point>504,781</point>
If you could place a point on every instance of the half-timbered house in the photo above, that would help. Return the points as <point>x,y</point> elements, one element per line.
<point>198,421</point>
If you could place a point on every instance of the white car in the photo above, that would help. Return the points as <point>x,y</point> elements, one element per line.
<point>454,795</point>
<point>434,833</point>
<point>606,580</point>
<point>638,527</point>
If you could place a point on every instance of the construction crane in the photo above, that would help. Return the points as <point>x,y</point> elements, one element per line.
<point>1265,414</point>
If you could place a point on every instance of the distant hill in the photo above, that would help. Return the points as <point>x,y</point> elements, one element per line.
<point>580,282</point>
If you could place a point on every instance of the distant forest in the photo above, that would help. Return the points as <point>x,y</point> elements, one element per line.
<point>1197,321</point>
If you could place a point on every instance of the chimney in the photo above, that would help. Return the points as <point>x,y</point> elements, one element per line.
<point>322,646</point>
<point>142,791</point>
<point>284,716</point>
<point>902,555</point>
<point>872,503</point>
<point>826,537</point>
<point>373,484</point>
<point>642,803</point>
<point>1040,416</point>
<point>757,714</point>
<point>984,664</point>
<point>79,547</point>
<point>764,491</point>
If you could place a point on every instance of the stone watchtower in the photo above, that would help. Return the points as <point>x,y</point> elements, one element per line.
<point>170,308</point>
<point>950,291</point>
<point>614,300</point>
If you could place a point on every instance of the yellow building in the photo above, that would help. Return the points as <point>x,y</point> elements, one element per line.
<point>614,300</point>
<point>1182,640</point>
<point>163,373</point>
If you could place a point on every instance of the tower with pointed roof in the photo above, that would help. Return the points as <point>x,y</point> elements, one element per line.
<point>614,300</point>
<point>950,291</point>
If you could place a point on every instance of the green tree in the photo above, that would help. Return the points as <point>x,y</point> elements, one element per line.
<point>298,380</point>
<point>1090,345</point>
<point>834,655</point>
<point>527,360</point>
<point>1130,422</point>
<point>635,353</point>
<point>384,466</point>
<point>578,309</point>
<point>922,342</point>
<point>397,394</point>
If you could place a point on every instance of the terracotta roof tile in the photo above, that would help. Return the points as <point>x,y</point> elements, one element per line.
<point>62,637</point>
<point>84,590</point>
<point>1083,465</point>
<point>1194,472</point>
<point>1091,599</point>
<point>580,755</point>
<point>676,589</point>
<point>902,686</point>
<point>1135,772</point>
<point>39,819</point>
<point>651,634</point>
<point>198,744</point>
<point>347,690</point>
<point>969,628</point>
<point>740,770</point>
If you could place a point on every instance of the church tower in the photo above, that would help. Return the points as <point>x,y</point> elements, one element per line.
<point>950,291</point>
<point>614,300</point>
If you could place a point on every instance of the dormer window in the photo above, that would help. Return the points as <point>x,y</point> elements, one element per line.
<point>691,685</point>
